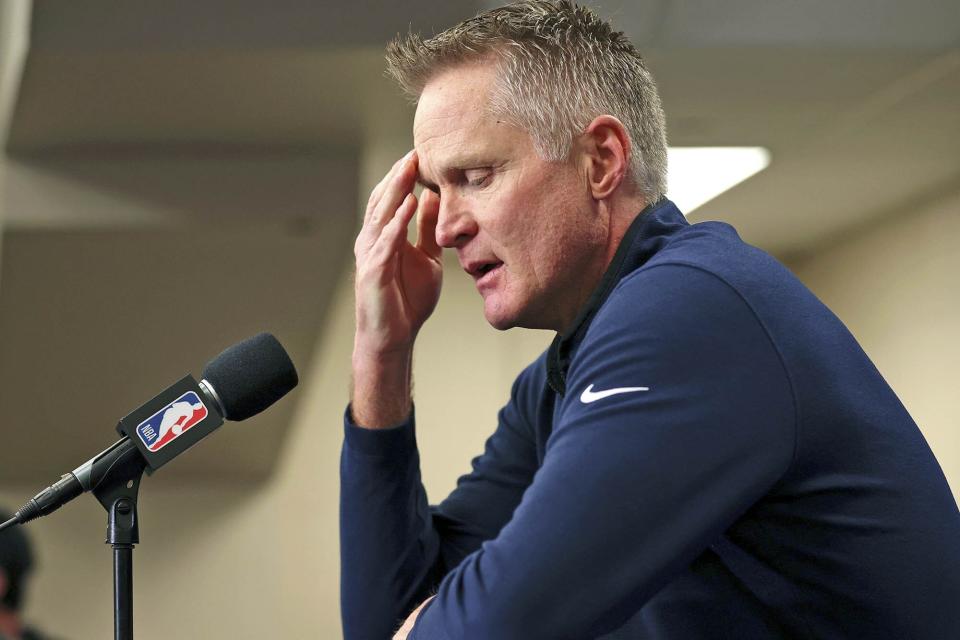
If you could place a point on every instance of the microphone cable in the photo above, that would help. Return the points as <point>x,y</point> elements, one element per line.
<point>9,523</point>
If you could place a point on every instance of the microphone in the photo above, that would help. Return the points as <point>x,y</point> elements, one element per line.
<point>239,383</point>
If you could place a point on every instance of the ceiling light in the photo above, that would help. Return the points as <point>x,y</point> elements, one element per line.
<point>699,174</point>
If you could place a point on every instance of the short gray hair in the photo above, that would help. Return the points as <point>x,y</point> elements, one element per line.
<point>559,67</point>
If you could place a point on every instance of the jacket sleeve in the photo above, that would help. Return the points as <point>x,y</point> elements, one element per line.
<point>395,548</point>
<point>636,483</point>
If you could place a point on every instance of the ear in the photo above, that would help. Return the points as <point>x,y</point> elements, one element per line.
<point>607,151</point>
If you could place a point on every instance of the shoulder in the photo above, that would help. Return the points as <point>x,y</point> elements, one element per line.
<point>680,322</point>
<point>717,249</point>
<point>667,296</point>
<point>704,272</point>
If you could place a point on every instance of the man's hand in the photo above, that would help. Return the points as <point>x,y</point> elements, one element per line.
<point>397,288</point>
<point>407,627</point>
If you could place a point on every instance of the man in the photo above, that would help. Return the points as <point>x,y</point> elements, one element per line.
<point>703,452</point>
<point>16,562</point>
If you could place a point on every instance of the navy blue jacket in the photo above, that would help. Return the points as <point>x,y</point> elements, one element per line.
<point>750,476</point>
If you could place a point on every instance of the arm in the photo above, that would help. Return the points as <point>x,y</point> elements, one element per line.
<point>394,548</point>
<point>392,552</point>
<point>633,486</point>
<point>397,286</point>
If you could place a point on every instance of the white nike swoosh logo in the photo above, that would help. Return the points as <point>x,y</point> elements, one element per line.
<point>589,395</point>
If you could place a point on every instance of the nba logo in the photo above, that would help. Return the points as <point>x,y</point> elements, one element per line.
<point>172,421</point>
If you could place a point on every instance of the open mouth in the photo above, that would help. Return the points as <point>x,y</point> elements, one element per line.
<point>487,268</point>
<point>484,272</point>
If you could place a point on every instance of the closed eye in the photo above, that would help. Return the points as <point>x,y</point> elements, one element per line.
<point>478,177</point>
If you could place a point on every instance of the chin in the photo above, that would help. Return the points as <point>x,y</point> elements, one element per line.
<point>498,317</point>
<point>503,317</point>
<point>500,322</point>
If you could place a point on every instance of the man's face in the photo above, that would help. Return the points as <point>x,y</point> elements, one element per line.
<point>524,229</point>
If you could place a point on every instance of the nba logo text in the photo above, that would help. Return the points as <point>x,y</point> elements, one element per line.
<point>172,421</point>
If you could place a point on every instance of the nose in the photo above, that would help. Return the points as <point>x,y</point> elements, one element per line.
<point>455,224</point>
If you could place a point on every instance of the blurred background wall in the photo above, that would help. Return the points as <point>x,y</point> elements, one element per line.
<point>177,176</point>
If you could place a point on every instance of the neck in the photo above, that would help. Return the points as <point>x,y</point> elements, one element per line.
<point>620,214</point>
<point>10,624</point>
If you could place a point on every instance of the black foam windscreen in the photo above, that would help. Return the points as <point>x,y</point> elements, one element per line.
<point>251,375</point>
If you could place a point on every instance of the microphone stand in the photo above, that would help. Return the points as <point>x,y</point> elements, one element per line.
<point>117,492</point>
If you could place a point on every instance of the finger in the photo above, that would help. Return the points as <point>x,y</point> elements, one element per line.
<point>373,220</point>
<point>377,192</point>
<point>395,187</point>
<point>427,216</point>
<point>392,171</point>
<point>375,196</point>
<point>394,193</point>
<point>394,233</point>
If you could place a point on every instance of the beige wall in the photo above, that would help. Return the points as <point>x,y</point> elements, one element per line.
<point>896,287</point>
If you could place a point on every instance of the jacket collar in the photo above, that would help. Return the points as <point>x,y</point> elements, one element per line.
<point>645,236</point>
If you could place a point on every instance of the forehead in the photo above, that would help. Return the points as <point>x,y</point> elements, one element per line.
<point>455,97</point>
<point>453,127</point>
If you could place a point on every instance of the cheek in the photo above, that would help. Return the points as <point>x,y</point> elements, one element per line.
<point>544,243</point>
<point>534,225</point>
<point>506,219</point>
